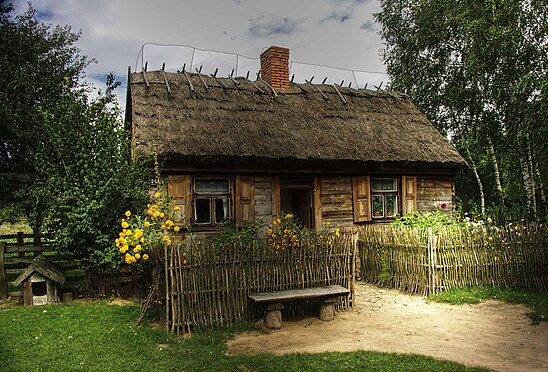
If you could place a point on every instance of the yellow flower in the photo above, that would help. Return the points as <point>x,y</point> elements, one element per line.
<point>162,215</point>
<point>269,231</point>
<point>137,256</point>
<point>117,241</point>
<point>137,249</point>
<point>125,225</point>
<point>166,240</point>
<point>328,223</point>
<point>142,240</point>
<point>176,228</point>
<point>163,227</point>
<point>145,257</point>
<point>337,232</point>
<point>128,258</point>
<point>156,214</point>
<point>128,213</point>
<point>169,223</point>
<point>129,232</point>
<point>123,249</point>
<point>185,262</point>
<point>122,234</point>
<point>289,215</point>
<point>146,224</point>
<point>157,195</point>
<point>176,208</point>
<point>275,222</point>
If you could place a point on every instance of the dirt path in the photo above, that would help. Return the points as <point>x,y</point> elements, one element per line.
<point>491,334</point>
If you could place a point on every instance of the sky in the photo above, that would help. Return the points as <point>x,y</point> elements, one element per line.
<point>334,33</point>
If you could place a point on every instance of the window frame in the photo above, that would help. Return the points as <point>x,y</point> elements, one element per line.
<point>211,196</point>
<point>383,194</point>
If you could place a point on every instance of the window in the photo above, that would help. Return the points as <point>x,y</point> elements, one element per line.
<point>211,201</point>
<point>384,193</point>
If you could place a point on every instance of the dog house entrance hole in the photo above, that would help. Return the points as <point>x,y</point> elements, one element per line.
<point>39,289</point>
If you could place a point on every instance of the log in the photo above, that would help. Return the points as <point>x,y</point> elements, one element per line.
<point>327,309</point>
<point>273,316</point>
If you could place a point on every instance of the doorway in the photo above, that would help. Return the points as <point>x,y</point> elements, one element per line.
<point>296,198</point>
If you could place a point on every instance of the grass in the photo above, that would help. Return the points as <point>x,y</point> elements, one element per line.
<point>104,337</point>
<point>9,228</point>
<point>537,300</point>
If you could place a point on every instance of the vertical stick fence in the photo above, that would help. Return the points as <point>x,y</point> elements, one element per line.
<point>210,284</point>
<point>423,261</point>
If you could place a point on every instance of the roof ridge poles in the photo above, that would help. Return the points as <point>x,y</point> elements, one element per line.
<point>165,77</point>
<point>188,79</point>
<point>318,89</point>
<point>339,93</point>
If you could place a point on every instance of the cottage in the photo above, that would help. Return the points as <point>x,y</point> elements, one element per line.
<point>41,282</point>
<point>239,149</point>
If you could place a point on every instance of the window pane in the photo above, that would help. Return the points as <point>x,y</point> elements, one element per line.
<point>391,205</point>
<point>202,211</point>
<point>211,186</point>
<point>221,209</point>
<point>378,206</point>
<point>383,184</point>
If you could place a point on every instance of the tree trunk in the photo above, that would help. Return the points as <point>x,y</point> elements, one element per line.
<point>532,170</point>
<point>527,181</point>
<point>540,185</point>
<point>497,179</point>
<point>478,179</point>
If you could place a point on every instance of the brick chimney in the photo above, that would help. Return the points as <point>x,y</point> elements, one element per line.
<point>275,67</point>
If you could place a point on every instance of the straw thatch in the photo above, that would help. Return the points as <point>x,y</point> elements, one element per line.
<point>250,126</point>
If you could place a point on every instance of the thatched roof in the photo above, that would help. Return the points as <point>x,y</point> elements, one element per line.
<point>247,125</point>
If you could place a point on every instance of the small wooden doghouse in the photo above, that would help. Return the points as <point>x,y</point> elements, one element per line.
<point>41,282</point>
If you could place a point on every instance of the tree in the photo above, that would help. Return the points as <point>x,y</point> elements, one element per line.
<point>38,64</point>
<point>86,178</point>
<point>478,70</point>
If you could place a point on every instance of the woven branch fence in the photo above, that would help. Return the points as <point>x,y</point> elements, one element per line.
<point>209,284</point>
<point>423,261</point>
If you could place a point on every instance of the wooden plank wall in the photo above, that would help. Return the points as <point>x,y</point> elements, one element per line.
<point>263,200</point>
<point>433,191</point>
<point>336,199</point>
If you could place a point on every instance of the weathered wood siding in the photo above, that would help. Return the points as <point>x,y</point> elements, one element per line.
<point>263,199</point>
<point>336,199</point>
<point>434,191</point>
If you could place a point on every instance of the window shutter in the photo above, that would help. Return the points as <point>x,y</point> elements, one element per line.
<point>317,203</point>
<point>409,194</point>
<point>179,189</point>
<point>361,194</point>
<point>276,196</point>
<point>245,203</point>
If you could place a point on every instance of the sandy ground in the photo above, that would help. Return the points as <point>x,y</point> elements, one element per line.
<point>491,334</point>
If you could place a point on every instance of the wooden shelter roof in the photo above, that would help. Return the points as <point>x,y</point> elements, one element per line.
<point>195,120</point>
<point>42,265</point>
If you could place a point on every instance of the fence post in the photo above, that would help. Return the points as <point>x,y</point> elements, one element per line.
<point>432,260</point>
<point>3,279</point>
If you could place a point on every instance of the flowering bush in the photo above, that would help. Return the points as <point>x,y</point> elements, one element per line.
<point>287,232</point>
<point>140,235</point>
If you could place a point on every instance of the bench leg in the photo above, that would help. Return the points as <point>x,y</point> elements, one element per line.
<point>273,316</point>
<point>327,309</point>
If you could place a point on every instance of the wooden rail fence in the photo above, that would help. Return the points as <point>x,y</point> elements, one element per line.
<point>424,261</point>
<point>208,284</point>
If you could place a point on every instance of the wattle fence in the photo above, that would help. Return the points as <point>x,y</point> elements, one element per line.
<point>209,284</point>
<point>424,261</point>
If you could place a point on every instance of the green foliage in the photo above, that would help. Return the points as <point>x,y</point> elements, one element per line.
<point>85,179</point>
<point>427,219</point>
<point>246,232</point>
<point>104,337</point>
<point>38,64</point>
<point>479,70</point>
<point>536,299</point>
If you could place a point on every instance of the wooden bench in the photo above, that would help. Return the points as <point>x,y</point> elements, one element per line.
<point>274,302</point>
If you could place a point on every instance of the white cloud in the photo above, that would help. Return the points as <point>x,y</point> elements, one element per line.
<point>338,33</point>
